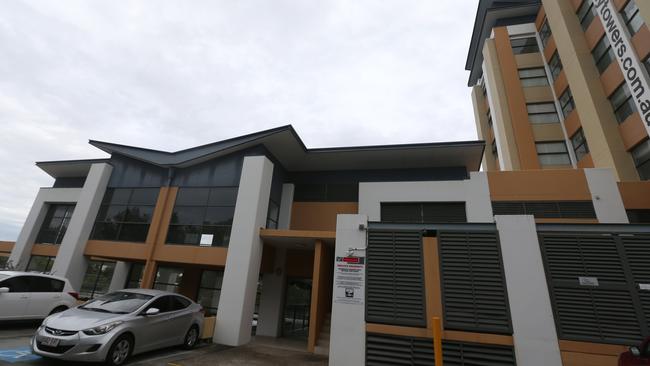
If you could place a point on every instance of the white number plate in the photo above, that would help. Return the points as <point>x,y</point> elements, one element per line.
<point>49,341</point>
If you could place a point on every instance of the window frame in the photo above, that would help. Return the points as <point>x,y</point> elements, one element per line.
<point>176,286</point>
<point>641,156</point>
<point>178,228</point>
<point>98,276</point>
<point>527,45</point>
<point>124,221</point>
<point>51,215</point>
<point>555,65</point>
<point>579,144</point>
<point>48,263</point>
<point>566,103</point>
<point>632,7</point>
<point>542,154</point>
<point>545,33</point>
<point>201,288</point>
<point>534,80</point>
<point>606,53</point>
<point>626,107</point>
<point>586,14</point>
<point>533,116</point>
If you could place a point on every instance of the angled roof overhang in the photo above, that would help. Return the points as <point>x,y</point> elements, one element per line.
<point>491,13</point>
<point>68,168</point>
<point>286,146</point>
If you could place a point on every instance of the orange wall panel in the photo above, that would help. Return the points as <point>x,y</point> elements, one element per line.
<point>116,250</point>
<point>586,162</point>
<point>641,42</point>
<point>6,246</point>
<point>550,49</point>
<point>319,215</point>
<point>48,250</point>
<point>572,123</point>
<point>554,185</point>
<point>539,20</point>
<point>594,33</point>
<point>211,256</point>
<point>560,84</point>
<point>632,131</point>
<point>611,78</point>
<point>635,195</point>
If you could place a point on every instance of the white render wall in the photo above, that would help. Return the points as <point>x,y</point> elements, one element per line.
<point>23,248</point>
<point>348,324</point>
<point>606,197</point>
<point>474,191</point>
<point>286,203</point>
<point>534,335</point>
<point>70,261</point>
<point>272,297</point>
<point>237,301</point>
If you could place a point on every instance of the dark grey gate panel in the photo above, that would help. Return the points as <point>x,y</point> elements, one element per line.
<point>423,212</point>
<point>592,289</point>
<point>394,278</point>
<point>546,209</point>
<point>390,350</point>
<point>637,253</point>
<point>473,284</point>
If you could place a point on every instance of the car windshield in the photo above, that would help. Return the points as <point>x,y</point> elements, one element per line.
<point>3,276</point>
<point>117,302</point>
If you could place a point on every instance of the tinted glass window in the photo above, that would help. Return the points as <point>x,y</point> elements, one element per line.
<point>97,279</point>
<point>168,279</point>
<point>641,155</point>
<point>603,54</point>
<point>524,45</point>
<point>533,77</point>
<point>555,65</point>
<point>179,303</point>
<point>44,284</point>
<point>125,214</point>
<point>117,302</point>
<point>55,224</point>
<point>566,102</point>
<point>542,113</point>
<point>545,33</point>
<point>586,14</point>
<point>632,17</point>
<point>210,291</point>
<point>552,153</point>
<point>622,103</point>
<point>17,284</point>
<point>579,144</point>
<point>163,304</point>
<point>40,263</point>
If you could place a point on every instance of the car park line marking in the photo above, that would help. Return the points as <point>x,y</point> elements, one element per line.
<point>22,354</point>
<point>147,360</point>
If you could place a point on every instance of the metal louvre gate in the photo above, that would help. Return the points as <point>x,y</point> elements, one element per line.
<point>473,284</point>
<point>395,278</point>
<point>390,350</point>
<point>594,282</point>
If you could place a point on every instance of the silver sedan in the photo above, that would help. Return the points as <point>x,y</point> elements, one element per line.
<point>117,325</point>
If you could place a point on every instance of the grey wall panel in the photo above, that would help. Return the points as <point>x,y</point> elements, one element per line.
<point>395,278</point>
<point>473,284</point>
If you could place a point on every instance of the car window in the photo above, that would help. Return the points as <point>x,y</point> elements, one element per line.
<point>120,302</point>
<point>646,349</point>
<point>17,284</point>
<point>45,284</point>
<point>162,304</point>
<point>179,303</point>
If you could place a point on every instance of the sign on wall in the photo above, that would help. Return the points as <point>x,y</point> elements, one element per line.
<point>635,75</point>
<point>349,280</point>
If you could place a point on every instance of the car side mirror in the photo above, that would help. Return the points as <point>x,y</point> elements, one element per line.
<point>635,351</point>
<point>151,311</point>
<point>4,290</point>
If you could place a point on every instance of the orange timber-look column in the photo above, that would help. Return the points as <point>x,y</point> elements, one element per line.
<point>158,231</point>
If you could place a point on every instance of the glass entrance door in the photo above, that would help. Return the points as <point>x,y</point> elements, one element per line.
<point>296,308</point>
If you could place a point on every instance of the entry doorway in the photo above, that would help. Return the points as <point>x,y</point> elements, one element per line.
<point>297,304</point>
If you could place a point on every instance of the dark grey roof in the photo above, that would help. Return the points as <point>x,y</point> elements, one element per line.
<point>285,145</point>
<point>68,168</point>
<point>491,13</point>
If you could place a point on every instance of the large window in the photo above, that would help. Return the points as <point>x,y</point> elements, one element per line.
<point>632,17</point>
<point>524,45</point>
<point>423,212</point>
<point>542,113</point>
<point>55,224</point>
<point>603,54</point>
<point>273,215</point>
<point>555,65</point>
<point>125,214</point>
<point>210,291</point>
<point>134,280</point>
<point>566,102</point>
<point>3,261</point>
<point>97,280</point>
<point>586,14</point>
<point>622,102</point>
<point>326,192</point>
<point>40,263</point>
<point>641,155</point>
<point>533,77</point>
<point>647,64</point>
<point>579,143</point>
<point>203,216</point>
<point>168,279</point>
<point>545,33</point>
<point>552,153</point>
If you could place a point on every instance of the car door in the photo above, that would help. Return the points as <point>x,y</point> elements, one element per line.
<point>152,330</point>
<point>44,295</point>
<point>13,304</point>
<point>179,320</point>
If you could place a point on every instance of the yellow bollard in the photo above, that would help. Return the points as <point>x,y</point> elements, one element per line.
<point>437,340</point>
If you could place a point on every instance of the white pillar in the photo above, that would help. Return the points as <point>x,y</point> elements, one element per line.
<point>70,261</point>
<point>606,197</point>
<point>478,203</point>
<point>237,301</point>
<point>534,334</point>
<point>284,221</point>
<point>348,324</point>
<point>120,274</point>
<point>272,297</point>
<point>23,248</point>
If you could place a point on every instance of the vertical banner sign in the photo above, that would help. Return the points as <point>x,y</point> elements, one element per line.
<point>349,280</point>
<point>636,76</point>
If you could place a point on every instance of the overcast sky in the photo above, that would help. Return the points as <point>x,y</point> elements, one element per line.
<point>174,74</point>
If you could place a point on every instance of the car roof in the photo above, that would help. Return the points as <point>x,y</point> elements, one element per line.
<point>147,291</point>
<point>23,273</point>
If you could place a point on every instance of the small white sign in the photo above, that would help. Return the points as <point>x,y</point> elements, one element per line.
<point>588,281</point>
<point>349,280</point>
<point>206,240</point>
<point>644,286</point>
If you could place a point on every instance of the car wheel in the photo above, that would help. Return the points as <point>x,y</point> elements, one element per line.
<point>191,338</point>
<point>58,309</point>
<point>120,351</point>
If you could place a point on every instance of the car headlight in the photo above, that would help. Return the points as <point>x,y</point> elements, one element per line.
<point>102,329</point>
